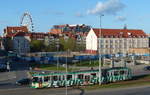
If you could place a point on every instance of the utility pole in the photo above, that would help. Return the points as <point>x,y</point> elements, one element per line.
<point>66,72</point>
<point>57,45</point>
<point>99,50</point>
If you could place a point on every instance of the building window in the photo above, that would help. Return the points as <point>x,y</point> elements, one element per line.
<point>111,46</point>
<point>111,41</point>
<point>102,46</point>
<point>106,46</point>
<point>106,41</point>
<point>102,41</point>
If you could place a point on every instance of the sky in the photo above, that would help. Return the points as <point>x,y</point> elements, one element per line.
<point>46,13</point>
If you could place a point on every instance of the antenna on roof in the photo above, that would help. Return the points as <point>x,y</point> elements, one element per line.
<point>125,26</point>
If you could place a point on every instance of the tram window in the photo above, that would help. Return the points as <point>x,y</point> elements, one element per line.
<point>110,73</point>
<point>103,74</point>
<point>63,78</point>
<point>87,78</point>
<point>116,73</point>
<point>46,78</point>
<point>69,77</point>
<point>35,79</point>
<point>93,74</point>
<point>107,73</point>
<point>40,79</point>
<point>54,78</point>
<point>122,72</point>
<point>80,76</point>
<point>59,77</point>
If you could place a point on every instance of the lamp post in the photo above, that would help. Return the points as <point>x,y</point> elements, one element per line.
<point>66,72</point>
<point>99,50</point>
<point>57,45</point>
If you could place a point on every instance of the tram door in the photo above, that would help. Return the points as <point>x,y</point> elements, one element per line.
<point>87,79</point>
<point>40,81</point>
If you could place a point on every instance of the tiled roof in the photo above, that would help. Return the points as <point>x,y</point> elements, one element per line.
<point>21,34</point>
<point>11,31</point>
<point>126,33</point>
<point>32,35</point>
<point>55,31</point>
<point>38,35</point>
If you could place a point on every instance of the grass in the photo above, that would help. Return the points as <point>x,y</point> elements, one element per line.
<point>88,63</point>
<point>51,67</point>
<point>137,81</point>
<point>92,63</point>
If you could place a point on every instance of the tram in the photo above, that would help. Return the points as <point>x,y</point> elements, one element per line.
<point>79,78</point>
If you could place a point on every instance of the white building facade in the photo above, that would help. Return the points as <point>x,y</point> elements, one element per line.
<point>115,41</point>
<point>21,43</point>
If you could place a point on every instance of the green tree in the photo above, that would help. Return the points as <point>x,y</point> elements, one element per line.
<point>67,44</point>
<point>8,44</point>
<point>37,46</point>
<point>51,47</point>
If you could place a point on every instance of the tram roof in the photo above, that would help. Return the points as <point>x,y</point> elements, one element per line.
<point>79,72</point>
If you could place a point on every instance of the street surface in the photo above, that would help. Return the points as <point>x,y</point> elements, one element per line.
<point>145,90</point>
<point>8,86</point>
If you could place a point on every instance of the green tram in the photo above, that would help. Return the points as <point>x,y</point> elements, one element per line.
<point>79,78</point>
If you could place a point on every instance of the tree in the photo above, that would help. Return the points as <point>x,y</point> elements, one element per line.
<point>37,46</point>
<point>67,44</point>
<point>8,44</point>
<point>51,47</point>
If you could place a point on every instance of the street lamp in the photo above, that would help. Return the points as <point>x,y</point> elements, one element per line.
<point>66,72</point>
<point>57,45</point>
<point>99,50</point>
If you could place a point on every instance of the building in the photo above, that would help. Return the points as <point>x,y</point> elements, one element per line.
<point>58,29</point>
<point>149,39</point>
<point>18,38</point>
<point>78,32</point>
<point>114,41</point>
<point>10,31</point>
<point>21,43</point>
<point>1,43</point>
<point>37,36</point>
<point>139,51</point>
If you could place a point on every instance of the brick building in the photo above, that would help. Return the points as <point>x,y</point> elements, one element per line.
<point>18,38</point>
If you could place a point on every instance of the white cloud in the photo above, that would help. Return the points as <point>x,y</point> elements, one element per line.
<point>120,18</point>
<point>110,7</point>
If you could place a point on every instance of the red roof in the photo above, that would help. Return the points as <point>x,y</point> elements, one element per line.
<point>126,33</point>
<point>11,31</point>
<point>38,35</point>
<point>55,31</point>
<point>21,34</point>
<point>32,35</point>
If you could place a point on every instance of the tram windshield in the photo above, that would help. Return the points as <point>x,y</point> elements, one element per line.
<point>46,79</point>
<point>35,79</point>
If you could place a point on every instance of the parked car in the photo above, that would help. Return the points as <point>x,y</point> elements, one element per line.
<point>147,68</point>
<point>24,81</point>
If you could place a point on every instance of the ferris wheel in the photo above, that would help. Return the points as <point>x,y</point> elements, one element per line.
<point>26,20</point>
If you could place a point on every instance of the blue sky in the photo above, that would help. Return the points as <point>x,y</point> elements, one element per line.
<point>45,13</point>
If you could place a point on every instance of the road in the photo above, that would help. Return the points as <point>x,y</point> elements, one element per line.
<point>8,79</point>
<point>145,90</point>
<point>8,87</point>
